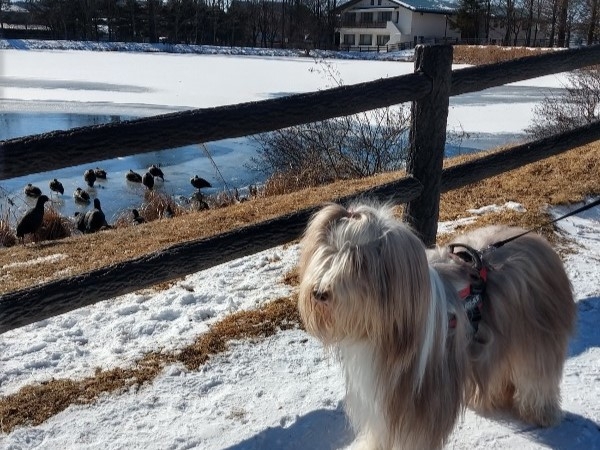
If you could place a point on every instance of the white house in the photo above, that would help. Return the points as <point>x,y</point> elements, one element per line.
<point>372,23</point>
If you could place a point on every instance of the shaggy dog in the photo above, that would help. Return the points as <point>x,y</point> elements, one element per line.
<point>413,359</point>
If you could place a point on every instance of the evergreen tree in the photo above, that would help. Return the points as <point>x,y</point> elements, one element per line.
<point>469,18</point>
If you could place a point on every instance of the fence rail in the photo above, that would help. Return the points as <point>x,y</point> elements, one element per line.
<point>99,142</point>
<point>429,88</point>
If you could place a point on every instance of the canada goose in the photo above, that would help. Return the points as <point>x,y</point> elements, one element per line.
<point>94,218</point>
<point>148,180</point>
<point>168,212</point>
<point>90,177</point>
<point>156,171</point>
<point>137,219</point>
<point>100,173</point>
<point>199,183</point>
<point>80,221</point>
<point>56,186</point>
<point>32,191</point>
<point>134,177</point>
<point>32,220</point>
<point>81,196</point>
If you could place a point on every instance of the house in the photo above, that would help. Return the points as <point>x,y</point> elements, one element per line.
<point>364,24</point>
<point>16,22</point>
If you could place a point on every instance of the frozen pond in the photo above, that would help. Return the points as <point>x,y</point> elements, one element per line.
<point>233,158</point>
<point>51,90</point>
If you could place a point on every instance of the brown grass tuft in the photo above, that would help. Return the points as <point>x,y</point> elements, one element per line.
<point>280,314</point>
<point>34,404</point>
<point>156,204</point>
<point>54,226</point>
<point>490,54</point>
<point>7,237</point>
<point>284,183</point>
<point>292,278</point>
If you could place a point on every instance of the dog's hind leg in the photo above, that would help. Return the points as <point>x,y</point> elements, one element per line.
<point>537,391</point>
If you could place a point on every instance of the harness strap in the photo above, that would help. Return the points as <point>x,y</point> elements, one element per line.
<point>472,295</point>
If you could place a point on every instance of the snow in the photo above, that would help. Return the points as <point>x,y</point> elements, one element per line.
<point>282,392</point>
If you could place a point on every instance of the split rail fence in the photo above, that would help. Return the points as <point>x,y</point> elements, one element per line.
<point>428,88</point>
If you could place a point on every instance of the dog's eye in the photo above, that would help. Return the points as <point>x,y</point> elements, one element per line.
<point>320,296</point>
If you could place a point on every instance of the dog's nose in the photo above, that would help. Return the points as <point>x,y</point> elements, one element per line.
<point>321,296</point>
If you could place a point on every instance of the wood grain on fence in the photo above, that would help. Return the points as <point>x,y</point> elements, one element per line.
<point>517,156</point>
<point>428,139</point>
<point>50,151</point>
<point>478,78</point>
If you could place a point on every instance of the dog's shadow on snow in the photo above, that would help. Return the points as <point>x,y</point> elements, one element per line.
<point>587,334</point>
<point>322,429</point>
<point>574,432</point>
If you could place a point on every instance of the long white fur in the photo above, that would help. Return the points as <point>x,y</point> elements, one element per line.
<point>437,318</point>
<point>369,289</point>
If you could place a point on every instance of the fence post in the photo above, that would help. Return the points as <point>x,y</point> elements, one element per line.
<point>428,139</point>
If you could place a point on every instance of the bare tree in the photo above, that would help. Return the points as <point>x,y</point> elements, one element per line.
<point>344,147</point>
<point>579,105</point>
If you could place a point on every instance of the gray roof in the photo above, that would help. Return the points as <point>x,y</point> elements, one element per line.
<point>430,6</point>
<point>433,6</point>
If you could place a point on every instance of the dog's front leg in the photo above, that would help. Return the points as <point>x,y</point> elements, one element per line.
<point>366,440</point>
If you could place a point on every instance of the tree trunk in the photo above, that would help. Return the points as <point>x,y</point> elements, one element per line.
<point>553,23</point>
<point>562,24</point>
<point>592,25</point>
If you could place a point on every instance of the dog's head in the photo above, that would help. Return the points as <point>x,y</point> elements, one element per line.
<point>363,275</point>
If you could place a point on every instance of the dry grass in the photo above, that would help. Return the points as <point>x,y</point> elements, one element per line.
<point>562,179</point>
<point>535,186</point>
<point>489,54</point>
<point>34,404</point>
<point>54,226</point>
<point>7,236</point>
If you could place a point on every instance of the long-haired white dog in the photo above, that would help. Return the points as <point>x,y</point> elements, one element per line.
<point>412,358</point>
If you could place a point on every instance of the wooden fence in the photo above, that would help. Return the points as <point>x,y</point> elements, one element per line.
<point>429,88</point>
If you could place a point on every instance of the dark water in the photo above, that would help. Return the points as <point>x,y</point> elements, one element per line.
<point>233,158</point>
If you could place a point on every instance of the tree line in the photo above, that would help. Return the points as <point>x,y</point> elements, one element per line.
<point>296,23</point>
<point>281,23</point>
<point>524,21</point>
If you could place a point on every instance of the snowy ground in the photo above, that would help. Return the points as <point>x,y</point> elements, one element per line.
<point>283,392</point>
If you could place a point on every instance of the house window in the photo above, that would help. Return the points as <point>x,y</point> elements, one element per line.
<point>366,17</point>
<point>372,2</point>
<point>385,16</point>
<point>383,39</point>
<point>349,18</point>
<point>366,39</point>
<point>349,39</point>
<point>379,2</point>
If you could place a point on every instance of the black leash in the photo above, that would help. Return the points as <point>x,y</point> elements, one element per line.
<point>576,211</point>
<point>474,293</point>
